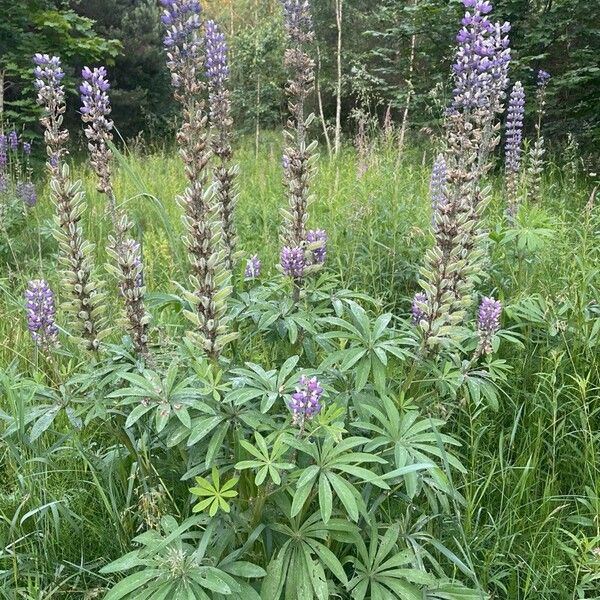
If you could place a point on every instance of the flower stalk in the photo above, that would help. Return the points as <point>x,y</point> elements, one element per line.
<point>86,303</point>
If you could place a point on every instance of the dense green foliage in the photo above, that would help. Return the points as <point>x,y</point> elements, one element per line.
<point>177,421</point>
<point>523,515</point>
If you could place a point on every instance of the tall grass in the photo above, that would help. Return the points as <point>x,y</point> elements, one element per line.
<point>532,490</point>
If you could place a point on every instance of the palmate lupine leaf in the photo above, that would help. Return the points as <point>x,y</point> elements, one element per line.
<point>177,563</point>
<point>370,344</point>
<point>383,573</point>
<point>266,463</point>
<point>298,570</point>
<point>214,495</point>
<point>270,386</point>
<point>337,464</point>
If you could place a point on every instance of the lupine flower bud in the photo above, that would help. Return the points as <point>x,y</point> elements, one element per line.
<point>26,148</point>
<point>3,186</point>
<point>26,191</point>
<point>543,77</point>
<point>306,400</point>
<point>488,322</point>
<point>293,262</point>
<point>253,267</point>
<point>41,314</point>
<point>13,140</point>
<point>298,20</point>
<point>417,312</point>
<point>318,236</point>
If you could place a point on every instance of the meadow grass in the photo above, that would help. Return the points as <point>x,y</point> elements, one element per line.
<point>530,521</point>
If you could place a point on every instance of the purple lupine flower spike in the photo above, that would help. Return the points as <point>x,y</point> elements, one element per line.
<point>13,140</point>
<point>417,312</point>
<point>26,148</point>
<point>543,77</point>
<point>306,400</point>
<point>217,67</point>
<point>293,262</point>
<point>253,267</point>
<point>26,191</point>
<point>514,142</point>
<point>318,236</point>
<point>48,77</point>
<point>481,67</point>
<point>298,20</point>
<point>41,314</point>
<point>488,323</point>
<point>182,21</point>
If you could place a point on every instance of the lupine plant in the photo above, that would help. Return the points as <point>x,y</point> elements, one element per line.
<point>298,465</point>
<point>211,280</point>
<point>300,154</point>
<point>75,252</point>
<point>480,78</point>
<point>126,252</point>
<point>537,149</point>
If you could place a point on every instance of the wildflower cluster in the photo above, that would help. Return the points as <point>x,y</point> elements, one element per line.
<point>75,251</point>
<point>15,170</point>
<point>210,276</point>
<point>41,314</point>
<point>253,268</point>
<point>488,323</point>
<point>306,400</point>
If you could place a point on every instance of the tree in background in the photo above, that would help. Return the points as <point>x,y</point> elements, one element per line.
<point>46,26</point>
<point>141,97</point>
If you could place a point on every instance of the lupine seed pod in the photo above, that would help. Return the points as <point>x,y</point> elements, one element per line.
<point>75,252</point>
<point>126,253</point>
<point>453,263</point>
<point>217,73</point>
<point>514,141</point>
<point>211,280</point>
